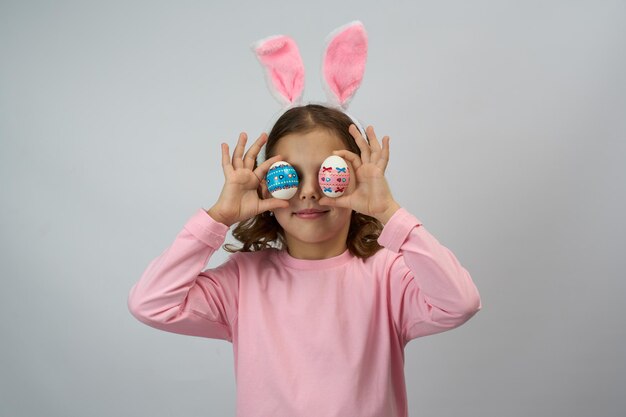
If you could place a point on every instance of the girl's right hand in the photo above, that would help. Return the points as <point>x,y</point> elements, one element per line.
<point>239,200</point>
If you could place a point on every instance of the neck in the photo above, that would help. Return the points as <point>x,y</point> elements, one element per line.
<point>313,251</point>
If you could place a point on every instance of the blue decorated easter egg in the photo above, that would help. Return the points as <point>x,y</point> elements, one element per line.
<point>282,180</point>
<point>334,176</point>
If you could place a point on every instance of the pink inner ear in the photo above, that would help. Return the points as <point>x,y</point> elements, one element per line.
<point>282,61</point>
<point>344,63</point>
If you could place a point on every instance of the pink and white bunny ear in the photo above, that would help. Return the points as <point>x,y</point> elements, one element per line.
<point>284,70</point>
<point>344,62</point>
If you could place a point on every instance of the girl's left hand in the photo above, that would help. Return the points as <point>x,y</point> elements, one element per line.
<point>372,195</point>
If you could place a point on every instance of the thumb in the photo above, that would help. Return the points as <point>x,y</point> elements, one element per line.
<point>272,203</point>
<point>342,201</point>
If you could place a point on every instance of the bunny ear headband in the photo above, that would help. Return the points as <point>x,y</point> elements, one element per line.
<point>343,66</point>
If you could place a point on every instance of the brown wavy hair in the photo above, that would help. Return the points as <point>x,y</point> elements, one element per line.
<point>263,230</point>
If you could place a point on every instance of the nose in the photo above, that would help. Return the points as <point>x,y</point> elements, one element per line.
<point>309,188</point>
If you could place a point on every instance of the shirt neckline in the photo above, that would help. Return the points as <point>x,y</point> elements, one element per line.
<point>297,263</point>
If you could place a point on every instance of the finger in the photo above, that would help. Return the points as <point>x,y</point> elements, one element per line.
<point>238,153</point>
<point>374,145</point>
<point>361,143</point>
<point>226,166</point>
<point>250,157</point>
<point>265,166</point>
<point>343,201</point>
<point>351,157</point>
<point>272,204</point>
<point>384,155</point>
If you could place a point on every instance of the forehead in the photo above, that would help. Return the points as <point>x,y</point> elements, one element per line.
<point>304,148</point>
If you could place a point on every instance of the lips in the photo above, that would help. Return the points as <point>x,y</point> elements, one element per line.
<point>311,213</point>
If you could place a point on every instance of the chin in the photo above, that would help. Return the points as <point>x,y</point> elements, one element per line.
<point>320,229</point>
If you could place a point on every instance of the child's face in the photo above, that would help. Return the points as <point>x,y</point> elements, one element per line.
<point>325,233</point>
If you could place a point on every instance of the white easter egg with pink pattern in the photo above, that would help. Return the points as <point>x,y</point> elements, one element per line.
<point>334,176</point>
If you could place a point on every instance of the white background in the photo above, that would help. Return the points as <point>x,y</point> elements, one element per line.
<point>508,140</point>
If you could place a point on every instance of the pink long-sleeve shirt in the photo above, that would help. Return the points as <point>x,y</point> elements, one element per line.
<point>311,338</point>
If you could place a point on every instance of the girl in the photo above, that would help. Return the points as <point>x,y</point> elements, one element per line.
<point>324,294</point>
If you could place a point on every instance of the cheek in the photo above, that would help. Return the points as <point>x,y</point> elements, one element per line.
<point>282,212</point>
<point>283,215</point>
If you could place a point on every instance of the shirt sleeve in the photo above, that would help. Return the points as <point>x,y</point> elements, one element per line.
<point>430,290</point>
<point>175,295</point>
